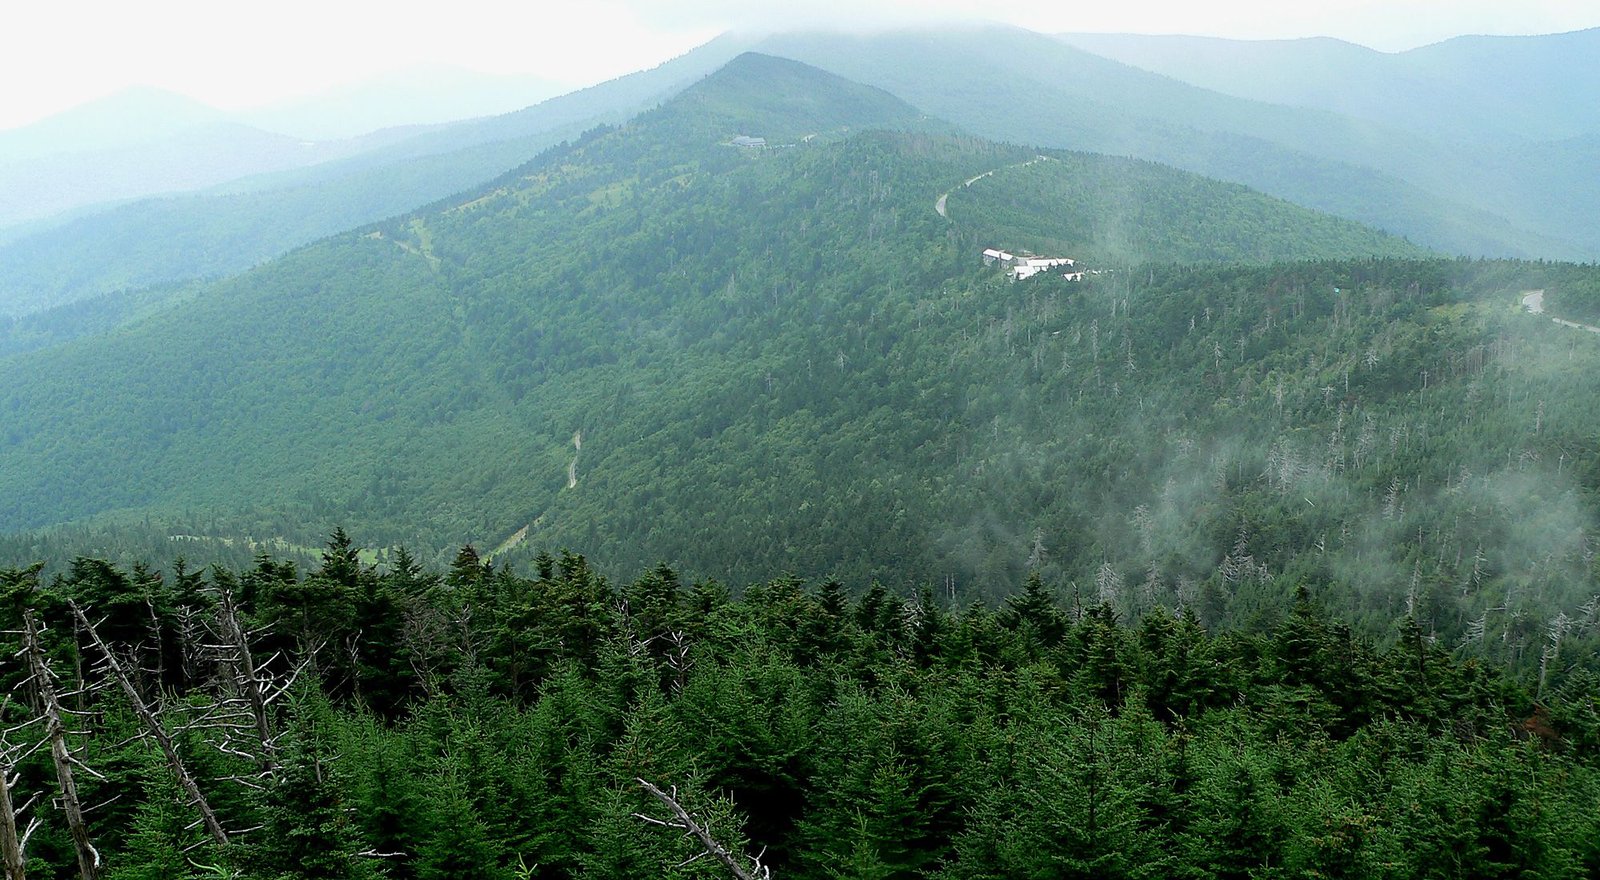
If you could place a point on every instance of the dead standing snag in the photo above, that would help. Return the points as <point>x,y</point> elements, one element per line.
<point>685,822</point>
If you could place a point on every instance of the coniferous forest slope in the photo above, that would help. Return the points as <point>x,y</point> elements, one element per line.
<point>241,223</point>
<point>1477,147</point>
<point>653,345</point>
<point>355,372</point>
<point>1476,195</point>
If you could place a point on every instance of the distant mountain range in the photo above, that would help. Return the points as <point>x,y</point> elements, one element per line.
<point>190,159</point>
<point>400,99</point>
<point>243,221</point>
<point>135,116</point>
<point>414,96</point>
<point>1474,146</point>
<point>1517,89</point>
<point>146,141</point>
<point>1468,198</point>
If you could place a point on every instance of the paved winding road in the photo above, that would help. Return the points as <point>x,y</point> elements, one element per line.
<point>572,468</point>
<point>1533,301</point>
<point>942,204</point>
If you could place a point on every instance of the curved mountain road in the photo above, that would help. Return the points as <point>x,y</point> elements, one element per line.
<point>1533,301</point>
<point>572,467</point>
<point>941,206</point>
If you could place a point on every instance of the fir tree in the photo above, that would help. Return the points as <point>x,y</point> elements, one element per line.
<point>309,831</point>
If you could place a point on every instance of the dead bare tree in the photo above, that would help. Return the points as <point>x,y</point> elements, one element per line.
<point>677,658</point>
<point>43,679</point>
<point>154,729</point>
<point>240,723</point>
<point>684,821</point>
<point>253,683</point>
<point>425,634</point>
<point>13,843</point>
<point>194,661</point>
<point>159,652</point>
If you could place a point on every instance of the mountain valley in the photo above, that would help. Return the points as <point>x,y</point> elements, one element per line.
<point>784,358</point>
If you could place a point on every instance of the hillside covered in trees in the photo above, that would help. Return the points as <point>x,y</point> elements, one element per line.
<point>653,345</point>
<point>1466,188</point>
<point>113,248</point>
<point>351,377</point>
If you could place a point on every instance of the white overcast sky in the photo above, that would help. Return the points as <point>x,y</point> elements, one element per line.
<point>236,54</point>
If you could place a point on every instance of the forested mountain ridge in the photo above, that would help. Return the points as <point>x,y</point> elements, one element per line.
<point>1507,88</point>
<point>241,223</point>
<point>503,322</point>
<point>1467,188</point>
<point>1476,197</point>
<point>654,344</point>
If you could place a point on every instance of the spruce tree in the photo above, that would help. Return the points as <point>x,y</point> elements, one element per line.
<point>309,830</point>
<point>158,847</point>
<point>457,845</point>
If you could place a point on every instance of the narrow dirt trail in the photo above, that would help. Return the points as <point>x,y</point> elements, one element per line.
<point>572,466</point>
<point>520,536</point>
<point>941,206</point>
<point>1533,301</point>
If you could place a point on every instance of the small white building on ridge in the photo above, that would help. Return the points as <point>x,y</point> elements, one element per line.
<point>1025,267</point>
<point>1028,267</point>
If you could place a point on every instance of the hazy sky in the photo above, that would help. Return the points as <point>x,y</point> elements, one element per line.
<point>57,53</point>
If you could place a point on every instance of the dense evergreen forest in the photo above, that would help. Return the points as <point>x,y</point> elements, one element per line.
<point>353,721</point>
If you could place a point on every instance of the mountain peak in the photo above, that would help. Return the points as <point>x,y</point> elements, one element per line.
<point>137,115</point>
<point>783,101</point>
